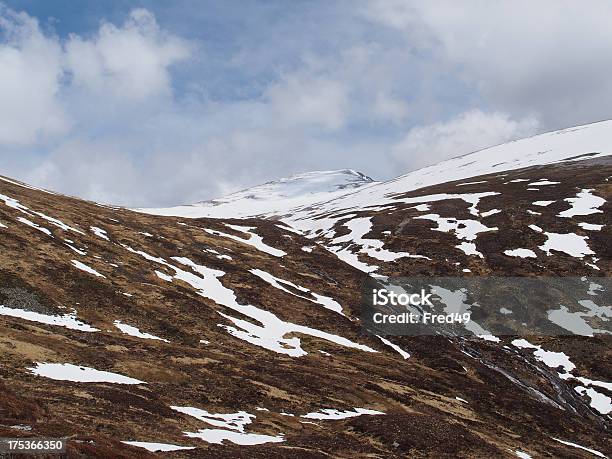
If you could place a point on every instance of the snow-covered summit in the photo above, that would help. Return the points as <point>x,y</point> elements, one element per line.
<point>578,143</point>
<point>275,197</point>
<point>302,197</point>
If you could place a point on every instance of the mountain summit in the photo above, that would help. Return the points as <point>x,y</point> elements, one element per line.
<point>275,197</point>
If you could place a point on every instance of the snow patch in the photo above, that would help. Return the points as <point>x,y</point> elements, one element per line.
<point>585,203</point>
<point>87,269</point>
<point>569,243</point>
<point>521,253</point>
<point>67,320</point>
<point>332,414</point>
<point>395,347</point>
<point>592,451</point>
<point>133,331</point>
<point>590,226</point>
<point>542,203</point>
<point>99,232</point>
<point>157,447</point>
<point>31,224</point>
<point>254,240</point>
<point>217,436</point>
<point>75,373</point>
<point>233,421</point>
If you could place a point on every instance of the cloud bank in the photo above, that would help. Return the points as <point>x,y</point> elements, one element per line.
<point>148,111</point>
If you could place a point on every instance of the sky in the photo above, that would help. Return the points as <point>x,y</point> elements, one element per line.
<point>156,103</point>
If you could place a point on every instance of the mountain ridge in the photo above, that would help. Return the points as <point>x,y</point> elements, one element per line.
<point>590,140</point>
<point>242,337</point>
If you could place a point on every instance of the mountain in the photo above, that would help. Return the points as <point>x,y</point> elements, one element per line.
<point>132,334</point>
<point>274,198</point>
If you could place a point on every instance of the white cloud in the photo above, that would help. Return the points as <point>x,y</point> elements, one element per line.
<point>131,61</point>
<point>124,63</point>
<point>468,132</point>
<point>549,56</point>
<point>132,113</point>
<point>30,72</point>
<point>299,99</point>
<point>99,171</point>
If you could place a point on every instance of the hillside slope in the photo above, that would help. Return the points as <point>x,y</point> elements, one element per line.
<point>241,337</point>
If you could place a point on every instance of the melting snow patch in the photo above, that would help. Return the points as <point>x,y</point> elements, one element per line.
<point>550,359</point>
<point>217,436</point>
<point>133,331</point>
<point>58,223</point>
<point>463,229</point>
<point>591,382</point>
<point>69,372</point>
<point>599,401</point>
<point>543,182</point>
<point>80,252</point>
<point>155,447</point>
<point>272,331</point>
<point>373,248</point>
<point>531,212</point>
<point>13,203</point>
<point>602,403</point>
<point>234,421</point>
<point>461,399</point>
<point>99,232</point>
<point>328,303</point>
<point>163,276</point>
<point>331,414</point>
<point>254,240</point>
<point>87,269</point>
<point>570,243</point>
<point>488,213</point>
<point>395,347</point>
<point>276,282</point>
<point>574,321</point>
<point>469,248</point>
<point>492,338</point>
<point>584,203</point>
<point>522,454</point>
<point>590,226</point>
<point>592,451</point>
<point>307,249</point>
<point>67,321</point>
<point>31,224</point>
<point>522,253</point>
<point>470,198</point>
<point>471,183</point>
<point>542,203</point>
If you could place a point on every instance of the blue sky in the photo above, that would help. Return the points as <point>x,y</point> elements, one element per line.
<point>150,103</point>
